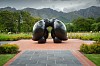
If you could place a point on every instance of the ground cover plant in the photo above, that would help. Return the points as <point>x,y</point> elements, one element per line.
<point>71,35</point>
<point>7,51</point>
<point>13,37</point>
<point>90,49</point>
<point>92,52</point>
<point>85,36</point>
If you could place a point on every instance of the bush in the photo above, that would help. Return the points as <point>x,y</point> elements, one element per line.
<point>8,49</point>
<point>14,37</point>
<point>90,49</point>
<point>85,36</point>
<point>84,48</point>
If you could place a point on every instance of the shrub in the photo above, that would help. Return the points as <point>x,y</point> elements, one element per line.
<point>14,37</point>
<point>85,36</point>
<point>84,48</point>
<point>92,48</point>
<point>8,49</point>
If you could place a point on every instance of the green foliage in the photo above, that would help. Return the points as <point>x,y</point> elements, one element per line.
<point>95,26</point>
<point>28,22</point>
<point>5,57</point>
<point>98,20</point>
<point>22,21</point>
<point>84,48</point>
<point>70,27</point>
<point>8,49</point>
<point>90,49</point>
<point>6,21</point>
<point>85,36</point>
<point>13,37</point>
<point>19,21</point>
<point>84,24</point>
<point>49,29</point>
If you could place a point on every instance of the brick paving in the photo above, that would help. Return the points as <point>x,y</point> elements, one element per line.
<point>72,46</point>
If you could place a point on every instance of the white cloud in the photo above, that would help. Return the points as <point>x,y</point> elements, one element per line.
<point>80,5</point>
<point>60,5</point>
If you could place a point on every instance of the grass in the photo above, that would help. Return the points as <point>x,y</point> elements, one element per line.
<point>5,57</point>
<point>94,58</point>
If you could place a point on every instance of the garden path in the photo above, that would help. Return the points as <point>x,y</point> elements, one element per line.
<point>71,46</point>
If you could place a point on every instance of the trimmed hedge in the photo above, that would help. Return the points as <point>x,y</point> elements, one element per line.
<point>8,49</point>
<point>90,49</point>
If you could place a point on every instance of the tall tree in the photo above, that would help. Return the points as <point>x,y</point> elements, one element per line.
<point>83,24</point>
<point>19,21</point>
<point>6,21</point>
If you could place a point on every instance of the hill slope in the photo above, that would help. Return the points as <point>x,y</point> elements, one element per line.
<point>65,17</point>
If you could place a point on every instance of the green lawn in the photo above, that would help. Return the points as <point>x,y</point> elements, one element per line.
<point>5,57</point>
<point>94,58</point>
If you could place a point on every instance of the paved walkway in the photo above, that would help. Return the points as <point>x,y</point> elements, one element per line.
<point>46,58</point>
<point>69,48</point>
<point>5,42</point>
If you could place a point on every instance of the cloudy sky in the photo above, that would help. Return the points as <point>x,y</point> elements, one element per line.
<point>59,5</point>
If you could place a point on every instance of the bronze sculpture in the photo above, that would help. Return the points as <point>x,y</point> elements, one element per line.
<point>58,32</point>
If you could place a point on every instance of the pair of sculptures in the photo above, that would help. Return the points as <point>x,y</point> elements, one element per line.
<point>58,32</point>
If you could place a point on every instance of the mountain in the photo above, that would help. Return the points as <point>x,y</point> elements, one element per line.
<point>46,13</point>
<point>89,12</point>
<point>7,8</point>
<point>93,11</point>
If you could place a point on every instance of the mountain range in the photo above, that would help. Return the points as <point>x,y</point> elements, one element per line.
<point>93,11</point>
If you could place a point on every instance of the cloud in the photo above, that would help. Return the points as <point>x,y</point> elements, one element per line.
<point>59,5</point>
<point>81,5</point>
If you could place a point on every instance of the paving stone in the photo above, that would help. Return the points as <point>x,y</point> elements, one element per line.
<point>64,62</point>
<point>46,62</point>
<point>27,62</point>
<point>39,58</point>
<point>18,65</point>
<point>24,58</point>
<point>74,65</point>
<point>46,58</point>
<point>15,62</point>
<point>5,42</point>
<point>55,58</point>
<point>57,65</point>
<point>36,64</point>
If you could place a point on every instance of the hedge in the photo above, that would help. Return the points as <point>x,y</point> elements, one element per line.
<point>8,48</point>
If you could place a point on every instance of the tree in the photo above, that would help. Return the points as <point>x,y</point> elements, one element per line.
<point>28,22</point>
<point>6,21</point>
<point>90,22</point>
<point>18,21</point>
<point>96,26</point>
<point>98,19</point>
<point>83,24</point>
<point>70,27</point>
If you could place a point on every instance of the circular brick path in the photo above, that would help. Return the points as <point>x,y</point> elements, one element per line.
<point>72,45</point>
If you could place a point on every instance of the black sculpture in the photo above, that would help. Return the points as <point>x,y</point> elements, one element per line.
<point>58,32</point>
